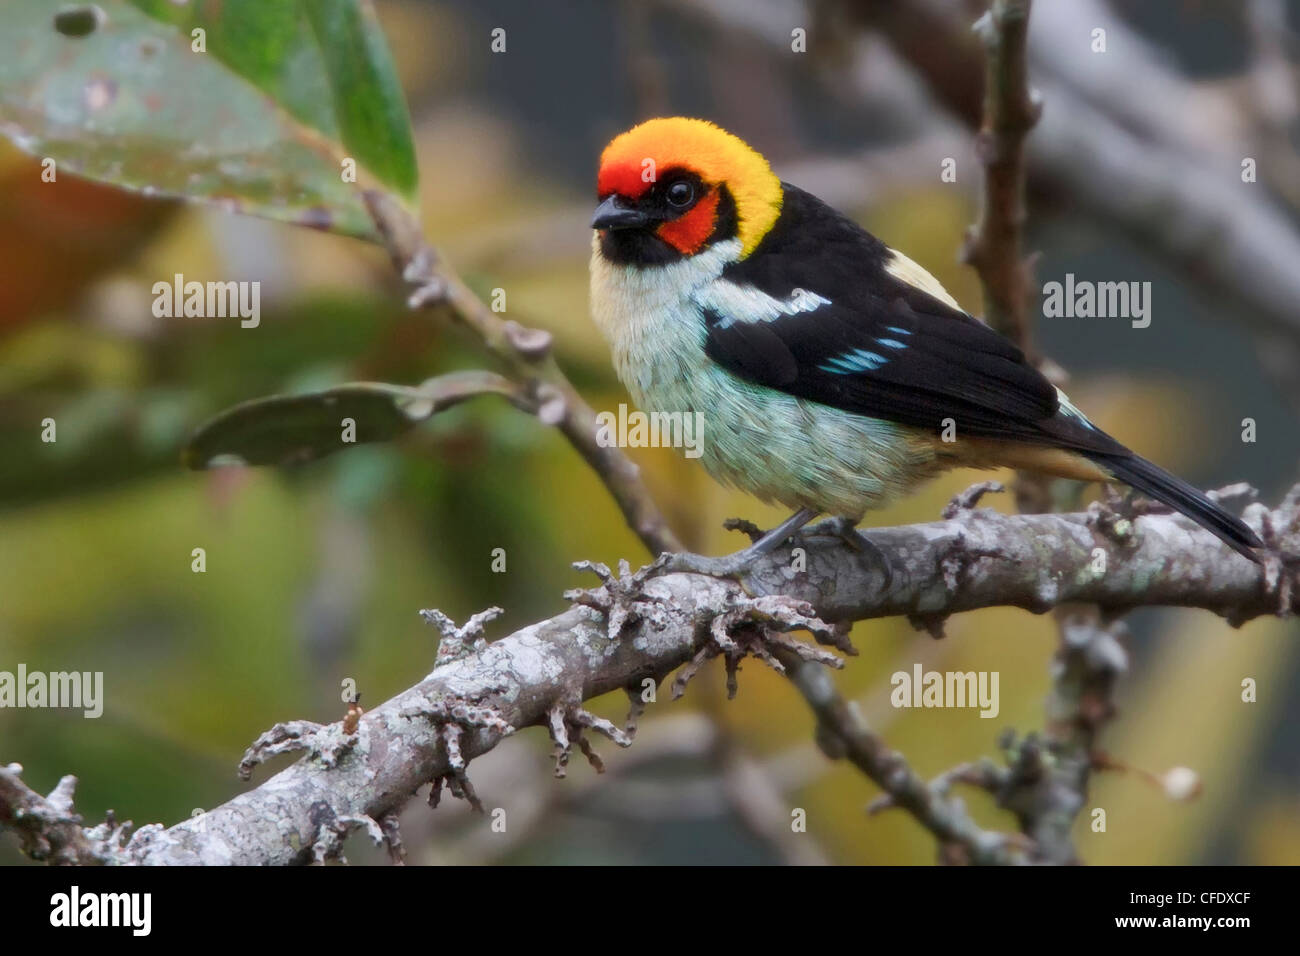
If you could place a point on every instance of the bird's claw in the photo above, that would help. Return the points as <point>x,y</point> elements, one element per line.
<point>737,565</point>
<point>729,566</point>
<point>847,531</point>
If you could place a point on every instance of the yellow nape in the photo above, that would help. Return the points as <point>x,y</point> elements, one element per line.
<point>715,155</point>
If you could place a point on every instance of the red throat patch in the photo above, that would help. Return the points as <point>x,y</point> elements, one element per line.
<point>688,233</point>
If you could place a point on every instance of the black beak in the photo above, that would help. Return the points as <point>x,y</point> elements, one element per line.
<point>615,213</point>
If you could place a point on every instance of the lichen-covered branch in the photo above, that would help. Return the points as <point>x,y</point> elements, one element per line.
<point>977,558</point>
<point>46,826</point>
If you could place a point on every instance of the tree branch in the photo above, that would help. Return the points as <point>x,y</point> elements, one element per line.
<point>972,560</point>
<point>47,827</point>
<point>1010,111</point>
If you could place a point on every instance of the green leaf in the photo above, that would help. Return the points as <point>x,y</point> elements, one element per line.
<point>261,122</point>
<point>296,428</point>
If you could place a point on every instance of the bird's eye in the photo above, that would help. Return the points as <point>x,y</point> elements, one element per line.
<point>681,193</point>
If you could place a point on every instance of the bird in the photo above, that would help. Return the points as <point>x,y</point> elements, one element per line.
<point>834,374</point>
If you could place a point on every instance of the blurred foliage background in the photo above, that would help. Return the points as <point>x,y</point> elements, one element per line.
<point>315,573</point>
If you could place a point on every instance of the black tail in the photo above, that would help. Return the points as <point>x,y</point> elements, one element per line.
<point>1157,483</point>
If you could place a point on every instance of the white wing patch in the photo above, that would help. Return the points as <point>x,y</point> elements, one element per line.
<point>745,303</point>
<point>901,267</point>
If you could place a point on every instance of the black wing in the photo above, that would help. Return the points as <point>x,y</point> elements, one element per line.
<point>884,348</point>
<point>881,347</point>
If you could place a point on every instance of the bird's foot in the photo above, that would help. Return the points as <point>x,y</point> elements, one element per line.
<point>847,531</point>
<point>729,566</point>
<point>738,564</point>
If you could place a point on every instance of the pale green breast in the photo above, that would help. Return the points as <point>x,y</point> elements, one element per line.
<point>780,448</point>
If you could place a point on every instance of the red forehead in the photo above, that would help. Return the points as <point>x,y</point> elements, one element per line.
<point>633,160</point>
<point>626,176</point>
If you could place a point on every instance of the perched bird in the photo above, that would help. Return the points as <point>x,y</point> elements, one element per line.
<point>834,374</point>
